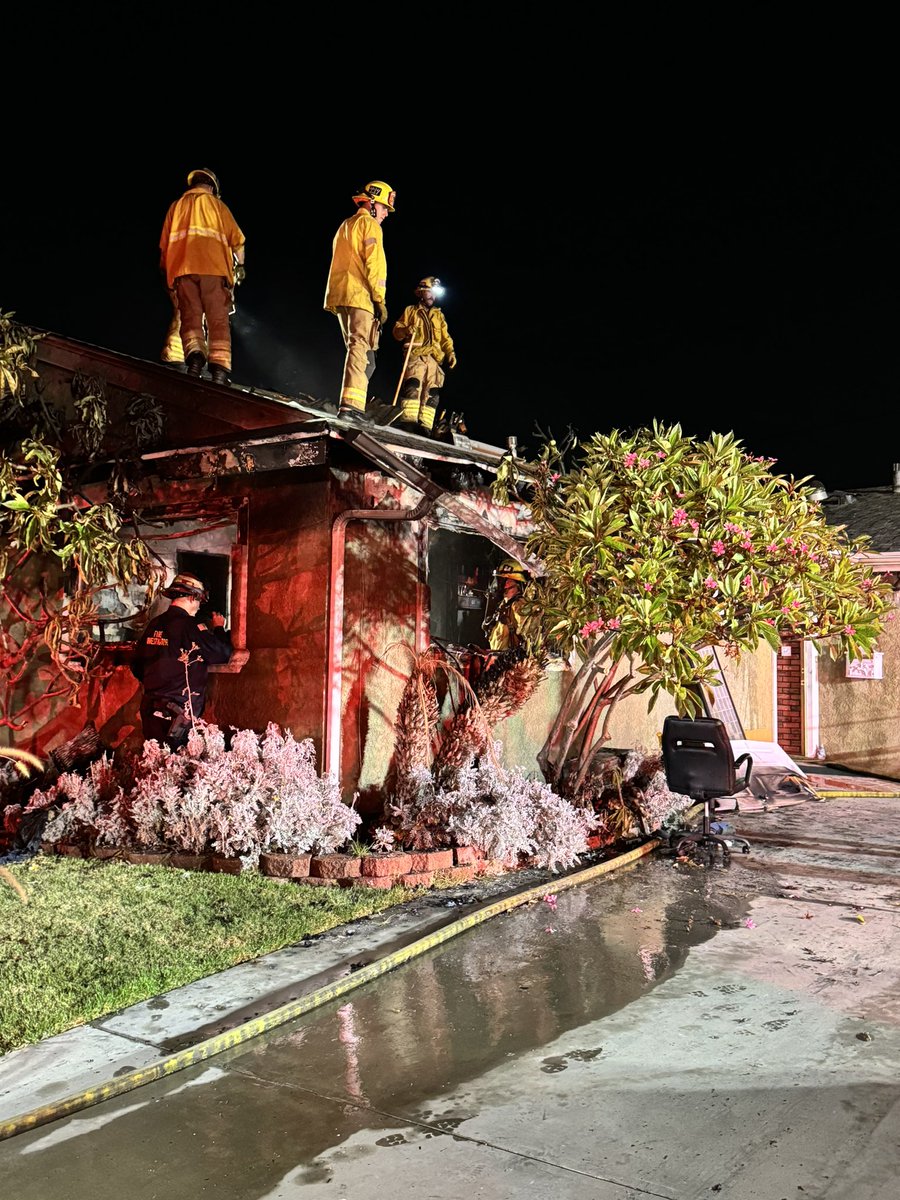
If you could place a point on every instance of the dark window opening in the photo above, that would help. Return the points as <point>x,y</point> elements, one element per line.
<point>460,575</point>
<point>213,570</point>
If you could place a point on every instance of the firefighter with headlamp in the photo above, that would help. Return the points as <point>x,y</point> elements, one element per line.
<point>356,289</point>
<point>422,328</point>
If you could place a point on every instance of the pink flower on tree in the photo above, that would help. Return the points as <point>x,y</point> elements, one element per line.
<point>718,548</point>
<point>591,628</point>
<point>679,517</point>
<point>710,583</point>
<point>630,459</point>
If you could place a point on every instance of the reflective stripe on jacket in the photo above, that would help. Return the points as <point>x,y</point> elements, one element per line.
<point>199,237</point>
<point>428,327</point>
<point>357,277</point>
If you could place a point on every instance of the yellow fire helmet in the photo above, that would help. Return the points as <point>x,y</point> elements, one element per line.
<point>206,176</point>
<point>510,569</point>
<point>430,283</point>
<point>380,191</point>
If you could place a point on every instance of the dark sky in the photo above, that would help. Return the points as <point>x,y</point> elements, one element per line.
<point>747,286</point>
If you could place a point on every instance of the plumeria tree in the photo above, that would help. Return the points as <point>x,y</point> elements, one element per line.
<point>655,547</point>
<point>58,548</point>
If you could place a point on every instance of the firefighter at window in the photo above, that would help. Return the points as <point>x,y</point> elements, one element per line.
<point>172,657</point>
<point>501,622</point>
<point>422,328</point>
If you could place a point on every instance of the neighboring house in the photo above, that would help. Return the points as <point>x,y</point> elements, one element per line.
<point>851,709</point>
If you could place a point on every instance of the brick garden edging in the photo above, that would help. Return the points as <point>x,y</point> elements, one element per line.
<point>411,869</point>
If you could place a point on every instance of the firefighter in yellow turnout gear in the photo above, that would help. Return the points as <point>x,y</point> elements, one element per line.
<point>422,328</point>
<point>355,291</point>
<point>202,253</point>
<point>504,600</point>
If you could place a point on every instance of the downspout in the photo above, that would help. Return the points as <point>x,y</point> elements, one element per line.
<point>335,668</point>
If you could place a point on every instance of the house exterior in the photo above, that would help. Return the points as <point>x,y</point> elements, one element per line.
<point>333,550</point>
<point>338,551</point>
<point>851,709</point>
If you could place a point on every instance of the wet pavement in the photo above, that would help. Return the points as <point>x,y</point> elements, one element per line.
<point>665,1030</point>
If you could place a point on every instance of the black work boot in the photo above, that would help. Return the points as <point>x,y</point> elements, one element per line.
<point>218,374</point>
<point>195,364</point>
<point>355,416</point>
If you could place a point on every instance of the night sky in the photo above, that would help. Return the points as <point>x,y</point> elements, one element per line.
<point>744,286</point>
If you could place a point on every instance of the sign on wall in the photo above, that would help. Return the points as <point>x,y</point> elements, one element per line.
<point>865,668</point>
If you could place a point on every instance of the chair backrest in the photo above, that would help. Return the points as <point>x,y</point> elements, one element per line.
<point>697,757</point>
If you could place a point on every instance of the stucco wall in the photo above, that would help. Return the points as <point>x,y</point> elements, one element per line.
<point>859,719</point>
<point>288,547</point>
<point>750,680</point>
<point>384,597</point>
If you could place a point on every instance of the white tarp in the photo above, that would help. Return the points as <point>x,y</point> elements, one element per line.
<point>775,779</point>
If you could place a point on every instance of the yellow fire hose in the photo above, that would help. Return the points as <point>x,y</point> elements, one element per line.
<point>190,1057</point>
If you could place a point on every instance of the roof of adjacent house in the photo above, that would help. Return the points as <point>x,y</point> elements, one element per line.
<point>873,512</point>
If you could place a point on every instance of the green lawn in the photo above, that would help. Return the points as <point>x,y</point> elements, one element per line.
<point>93,937</point>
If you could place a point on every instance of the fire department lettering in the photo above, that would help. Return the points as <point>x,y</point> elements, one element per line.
<point>157,639</point>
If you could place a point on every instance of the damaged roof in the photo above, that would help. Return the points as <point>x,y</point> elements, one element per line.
<point>234,429</point>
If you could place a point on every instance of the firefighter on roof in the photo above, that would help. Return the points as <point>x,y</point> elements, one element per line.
<point>356,288</point>
<point>422,328</point>
<point>202,255</point>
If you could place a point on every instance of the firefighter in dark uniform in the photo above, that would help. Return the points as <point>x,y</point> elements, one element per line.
<point>174,654</point>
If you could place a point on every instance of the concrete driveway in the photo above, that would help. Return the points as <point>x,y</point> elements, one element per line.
<point>666,1030</point>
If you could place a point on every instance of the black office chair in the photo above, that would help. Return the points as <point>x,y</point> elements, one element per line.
<point>699,762</point>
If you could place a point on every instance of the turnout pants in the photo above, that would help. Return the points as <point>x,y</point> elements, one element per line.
<point>361,333</point>
<point>420,391</point>
<point>206,296</point>
<point>173,351</point>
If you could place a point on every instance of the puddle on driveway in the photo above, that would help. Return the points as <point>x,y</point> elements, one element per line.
<point>380,1060</point>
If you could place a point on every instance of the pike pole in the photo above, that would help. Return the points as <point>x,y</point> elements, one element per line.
<point>403,370</point>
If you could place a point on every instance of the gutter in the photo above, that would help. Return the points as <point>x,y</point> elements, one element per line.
<point>469,516</point>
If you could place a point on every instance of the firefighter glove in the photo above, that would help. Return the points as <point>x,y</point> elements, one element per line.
<point>240,273</point>
<point>451,359</point>
<point>381,312</point>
